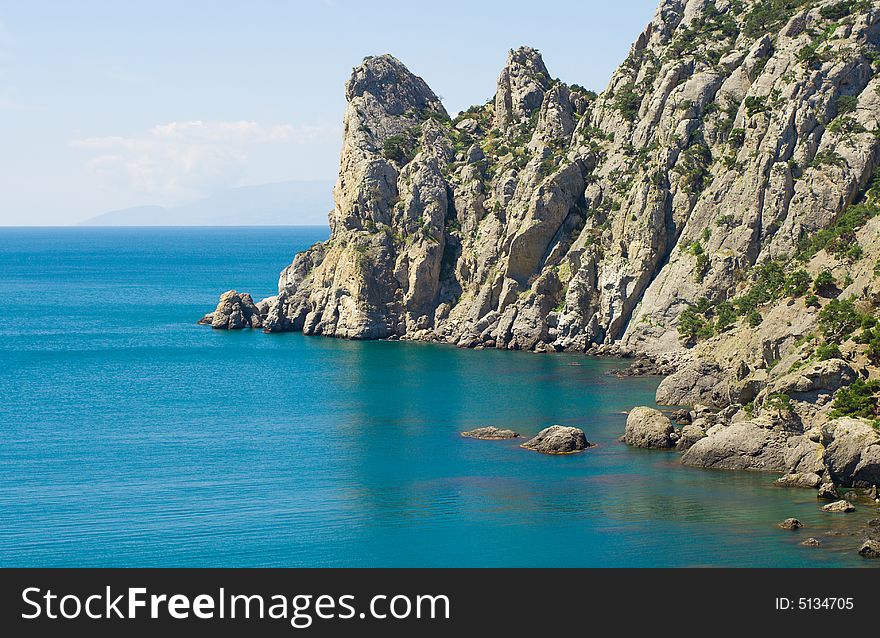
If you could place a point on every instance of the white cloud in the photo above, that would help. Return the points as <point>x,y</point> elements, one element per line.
<point>183,160</point>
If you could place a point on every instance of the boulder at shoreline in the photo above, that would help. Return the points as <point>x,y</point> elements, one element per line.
<point>649,428</point>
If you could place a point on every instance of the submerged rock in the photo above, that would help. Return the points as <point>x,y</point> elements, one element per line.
<point>490,433</point>
<point>649,428</point>
<point>558,439</point>
<point>791,523</point>
<point>805,480</point>
<point>234,311</point>
<point>839,507</point>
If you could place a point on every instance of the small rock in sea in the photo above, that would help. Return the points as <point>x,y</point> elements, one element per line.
<point>558,439</point>
<point>828,492</point>
<point>791,523</point>
<point>874,522</point>
<point>839,507</point>
<point>805,480</point>
<point>812,542</point>
<point>234,311</point>
<point>490,433</point>
<point>870,549</point>
<point>872,493</point>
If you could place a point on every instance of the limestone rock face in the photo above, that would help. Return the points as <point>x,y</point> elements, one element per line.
<point>807,383</point>
<point>234,312</point>
<point>558,439</point>
<point>848,452</point>
<point>521,87</point>
<point>852,452</point>
<point>649,428</point>
<point>552,218</point>
<point>378,275</point>
<point>741,446</point>
<point>703,383</point>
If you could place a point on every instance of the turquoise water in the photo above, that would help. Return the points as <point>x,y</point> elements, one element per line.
<point>133,437</point>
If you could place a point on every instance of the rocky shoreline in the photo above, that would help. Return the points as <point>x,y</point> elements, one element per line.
<point>824,454</point>
<point>713,216</point>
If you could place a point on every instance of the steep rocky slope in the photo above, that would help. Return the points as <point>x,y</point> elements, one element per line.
<point>554,218</point>
<point>692,213</point>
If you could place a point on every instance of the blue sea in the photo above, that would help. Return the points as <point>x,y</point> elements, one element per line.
<point>133,437</point>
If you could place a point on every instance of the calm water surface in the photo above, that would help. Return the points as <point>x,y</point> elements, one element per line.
<point>133,437</point>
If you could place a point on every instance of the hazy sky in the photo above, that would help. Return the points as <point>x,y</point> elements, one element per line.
<point>106,105</point>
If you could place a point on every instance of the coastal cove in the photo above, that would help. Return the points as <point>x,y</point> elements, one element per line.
<point>133,437</point>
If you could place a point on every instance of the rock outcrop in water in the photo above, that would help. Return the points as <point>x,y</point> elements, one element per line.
<point>713,211</point>
<point>235,311</point>
<point>490,433</point>
<point>558,439</point>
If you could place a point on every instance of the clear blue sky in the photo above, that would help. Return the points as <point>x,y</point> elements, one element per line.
<point>106,105</point>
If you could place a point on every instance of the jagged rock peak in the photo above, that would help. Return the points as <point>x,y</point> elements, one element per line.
<point>521,86</point>
<point>395,87</point>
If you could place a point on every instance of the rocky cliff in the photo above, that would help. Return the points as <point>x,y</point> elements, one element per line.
<point>705,210</point>
<point>551,217</point>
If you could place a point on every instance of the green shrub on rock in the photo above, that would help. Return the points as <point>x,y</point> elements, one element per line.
<point>858,400</point>
<point>797,284</point>
<point>824,282</point>
<point>838,320</point>
<point>828,351</point>
<point>628,101</point>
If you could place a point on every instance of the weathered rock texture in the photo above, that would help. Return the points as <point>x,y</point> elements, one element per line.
<point>490,433</point>
<point>839,507</point>
<point>649,428</point>
<point>791,524</point>
<point>558,439</point>
<point>234,312</point>
<point>552,218</point>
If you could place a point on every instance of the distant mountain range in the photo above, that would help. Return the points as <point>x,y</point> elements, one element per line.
<point>292,203</point>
